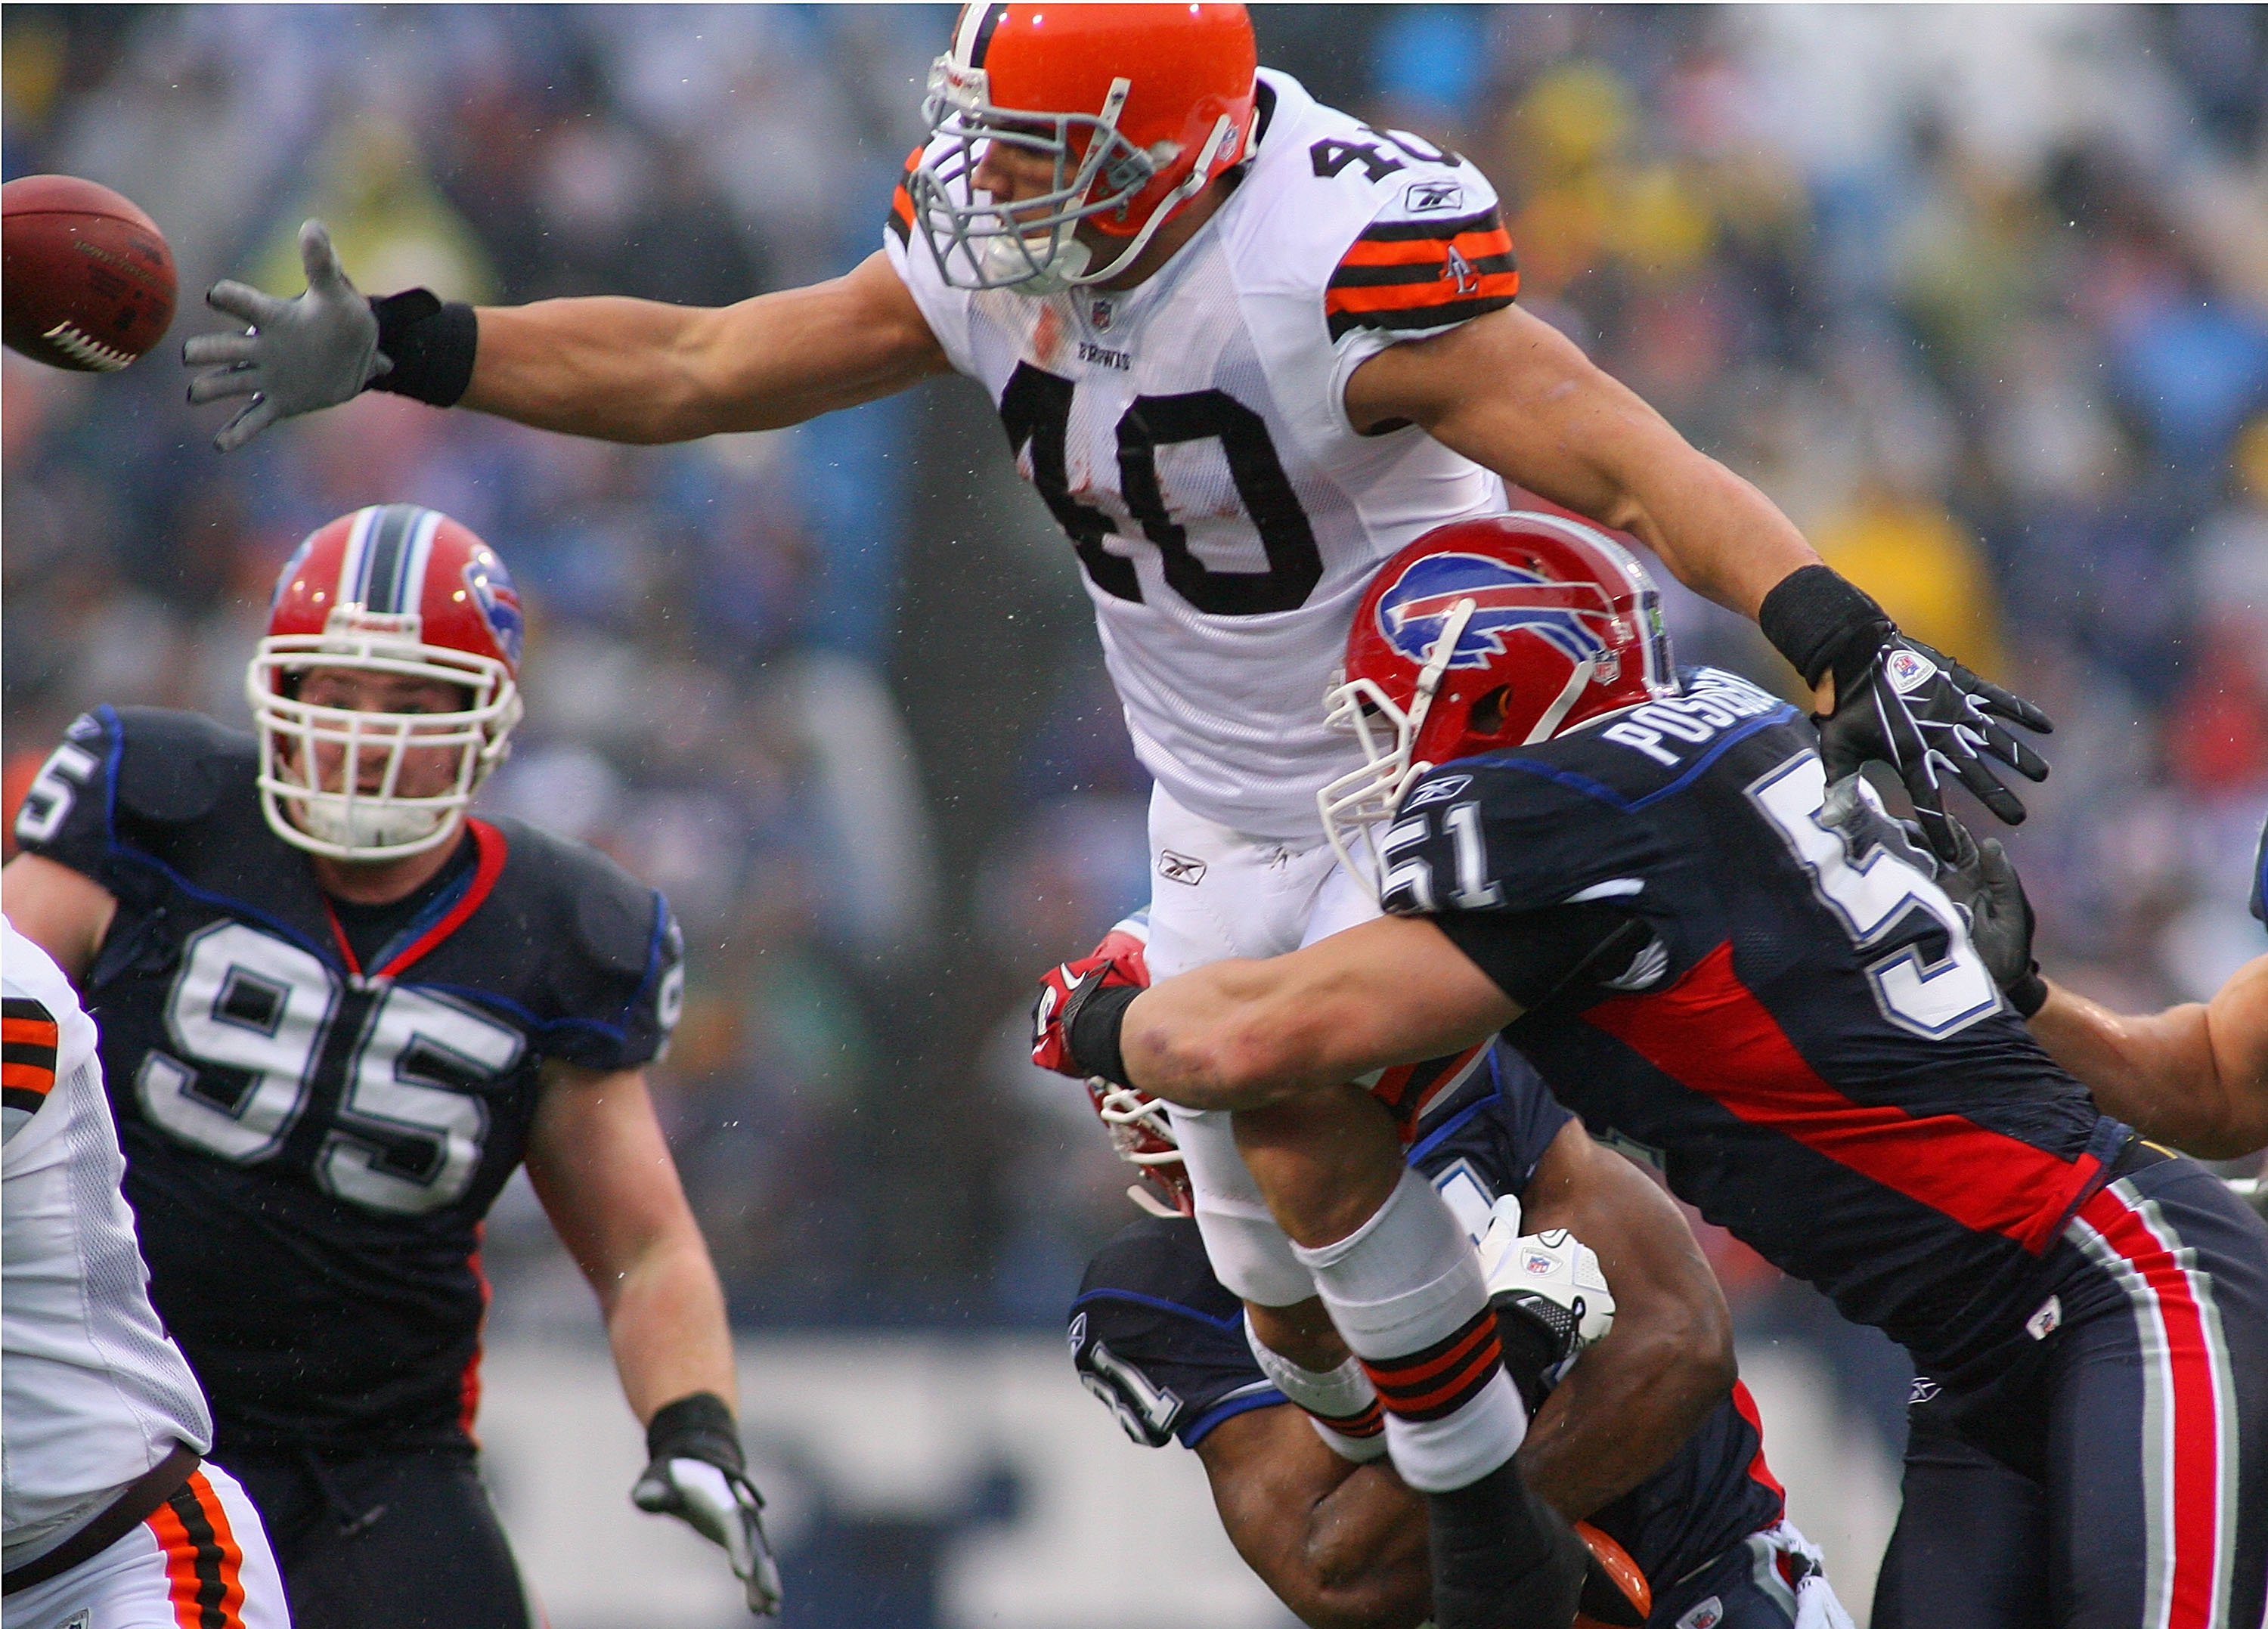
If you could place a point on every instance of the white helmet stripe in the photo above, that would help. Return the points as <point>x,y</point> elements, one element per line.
<point>417,555</point>
<point>974,33</point>
<point>354,563</point>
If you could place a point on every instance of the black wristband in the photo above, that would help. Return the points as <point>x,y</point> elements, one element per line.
<point>2028,991</point>
<point>431,346</point>
<point>1819,619</point>
<point>698,1427</point>
<point>1092,1025</point>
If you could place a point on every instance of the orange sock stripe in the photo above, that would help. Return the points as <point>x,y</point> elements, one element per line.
<point>1403,1374</point>
<point>1367,1421</point>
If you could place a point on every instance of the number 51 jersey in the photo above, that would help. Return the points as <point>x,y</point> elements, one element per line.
<point>1190,435</point>
<point>310,1147</point>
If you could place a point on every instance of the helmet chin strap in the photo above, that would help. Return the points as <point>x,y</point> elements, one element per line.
<point>1557,711</point>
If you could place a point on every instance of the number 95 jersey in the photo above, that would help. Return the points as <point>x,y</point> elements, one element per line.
<point>311,1147</point>
<point>1190,435</point>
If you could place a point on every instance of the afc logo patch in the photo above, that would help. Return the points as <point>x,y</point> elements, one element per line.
<point>1185,868</point>
<point>1908,670</point>
<point>1707,1615</point>
<point>1432,197</point>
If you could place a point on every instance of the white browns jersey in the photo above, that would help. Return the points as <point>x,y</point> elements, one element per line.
<point>1192,436</point>
<point>92,1392</point>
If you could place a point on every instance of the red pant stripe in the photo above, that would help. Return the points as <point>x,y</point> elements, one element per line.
<point>2189,1477</point>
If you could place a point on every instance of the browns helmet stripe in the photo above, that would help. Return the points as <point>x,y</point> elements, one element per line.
<point>972,37</point>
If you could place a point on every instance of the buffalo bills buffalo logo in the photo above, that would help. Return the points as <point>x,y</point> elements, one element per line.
<point>499,601</point>
<point>1575,618</point>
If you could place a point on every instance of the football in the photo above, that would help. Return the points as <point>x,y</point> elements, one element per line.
<point>87,282</point>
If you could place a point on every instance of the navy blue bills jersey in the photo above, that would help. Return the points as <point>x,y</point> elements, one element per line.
<point>1158,1339</point>
<point>1791,1020</point>
<point>311,1142</point>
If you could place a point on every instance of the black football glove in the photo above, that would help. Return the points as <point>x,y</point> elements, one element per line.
<point>698,1474</point>
<point>1900,701</point>
<point>1923,714</point>
<point>1983,881</point>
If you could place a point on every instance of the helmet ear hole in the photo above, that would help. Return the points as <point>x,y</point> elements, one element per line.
<point>1487,715</point>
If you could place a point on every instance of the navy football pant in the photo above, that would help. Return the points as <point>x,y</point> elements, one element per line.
<point>2116,1475</point>
<point>386,1541</point>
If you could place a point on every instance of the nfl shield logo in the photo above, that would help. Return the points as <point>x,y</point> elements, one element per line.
<point>1098,316</point>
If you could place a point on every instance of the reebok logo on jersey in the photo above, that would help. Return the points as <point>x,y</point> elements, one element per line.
<point>1179,867</point>
<point>1436,791</point>
<point>1922,1389</point>
<point>1424,197</point>
<point>1908,670</point>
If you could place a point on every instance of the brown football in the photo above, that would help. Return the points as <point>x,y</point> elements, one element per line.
<point>86,279</point>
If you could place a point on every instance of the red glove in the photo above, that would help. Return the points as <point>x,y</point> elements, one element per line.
<point>1119,961</point>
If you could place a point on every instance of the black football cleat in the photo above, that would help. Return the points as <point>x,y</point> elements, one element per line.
<point>1502,1559</point>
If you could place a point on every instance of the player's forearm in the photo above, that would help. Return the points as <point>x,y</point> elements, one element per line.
<point>665,1322</point>
<point>1223,1036</point>
<point>2178,1076</point>
<point>1343,1546</point>
<point>641,372</point>
<point>1364,1558</point>
<point>1627,1405</point>
<point>1717,533</point>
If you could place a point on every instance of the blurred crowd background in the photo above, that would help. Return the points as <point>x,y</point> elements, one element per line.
<point>1978,295</point>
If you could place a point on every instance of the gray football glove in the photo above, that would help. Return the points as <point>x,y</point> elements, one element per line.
<point>294,356</point>
<point>697,1476</point>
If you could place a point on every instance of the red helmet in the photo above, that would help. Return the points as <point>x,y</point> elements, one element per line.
<point>1496,632</point>
<point>1140,1128</point>
<point>1138,105</point>
<point>395,590</point>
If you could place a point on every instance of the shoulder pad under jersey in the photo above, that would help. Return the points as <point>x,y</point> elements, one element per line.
<point>621,976</point>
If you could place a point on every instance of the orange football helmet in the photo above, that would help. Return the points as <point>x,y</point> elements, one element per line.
<point>1138,105</point>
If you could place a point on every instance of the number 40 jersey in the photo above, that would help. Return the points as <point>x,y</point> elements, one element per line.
<point>310,1146</point>
<point>1190,435</point>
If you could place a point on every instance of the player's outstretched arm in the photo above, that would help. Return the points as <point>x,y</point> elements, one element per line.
<point>1239,1035</point>
<point>62,912</point>
<point>637,371</point>
<point>599,1165</point>
<point>619,370</point>
<point>1342,1545</point>
<point>1632,1399</point>
<point>2194,1076</point>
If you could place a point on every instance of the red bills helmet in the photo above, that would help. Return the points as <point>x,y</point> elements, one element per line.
<point>395,590</point>
<point>1496,632</point>
<point>1138,105</point>
<point>1140,1128</point>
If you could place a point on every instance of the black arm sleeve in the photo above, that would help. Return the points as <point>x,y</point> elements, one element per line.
<point>1559,954</point>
